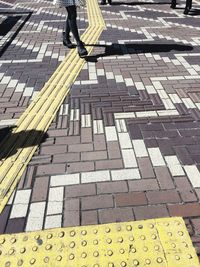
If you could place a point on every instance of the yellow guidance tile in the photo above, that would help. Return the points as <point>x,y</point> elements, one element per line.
<point>17,149</point>
<point>152,243</point>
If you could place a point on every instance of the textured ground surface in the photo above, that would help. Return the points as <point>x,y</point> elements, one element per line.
<point>125,143</point>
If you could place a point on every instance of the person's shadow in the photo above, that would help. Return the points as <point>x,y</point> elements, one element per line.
<point>135,48</point>
<point>10,142</point>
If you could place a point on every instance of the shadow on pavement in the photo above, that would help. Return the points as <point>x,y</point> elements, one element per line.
<point>194,12</point>
<point>30,137</point>
<point>139,3</point>
<point>123,49</point>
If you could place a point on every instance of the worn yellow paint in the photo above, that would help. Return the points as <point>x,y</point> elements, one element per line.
<point>34,122</point>
<point>155,243</point>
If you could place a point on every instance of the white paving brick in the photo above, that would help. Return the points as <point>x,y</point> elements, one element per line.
<point>53,221</point>
<point>111,134</point>
<point>129,158</point>
<point>125,174</point>
<point>124,140</point>
<point>121,126</point>
<point>174,165</point>
<point>35,216</point>
<point>22,196</point>
<point>97,176</point>
<point>54,207</point>
<point>140,148</point>
<point>56,193</point>
<point>98,127</point>
<point>188,102</point>
<point>156,156</point>
<point>193,174</point>
<point>65,179</point>
<point>18,211</point>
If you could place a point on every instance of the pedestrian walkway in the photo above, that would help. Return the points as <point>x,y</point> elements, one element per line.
<point>124,143</point>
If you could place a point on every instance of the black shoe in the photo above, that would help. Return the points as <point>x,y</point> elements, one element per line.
<point>103,3</point>
<point>67,42</point>
<point>81,50</point>
<point>109,2</point>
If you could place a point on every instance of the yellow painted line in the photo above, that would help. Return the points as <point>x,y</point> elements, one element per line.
<point>34,122</point>
<point>152,243</point>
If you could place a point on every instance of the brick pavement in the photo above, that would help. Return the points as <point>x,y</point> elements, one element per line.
<point>125,143</point>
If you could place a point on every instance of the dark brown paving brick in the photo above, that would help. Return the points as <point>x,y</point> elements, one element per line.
<point>89,217</point>
<point>184,210</point>
<point>159,197</point>
<point>74,167</point>
<point>16,225</point>
<point>143,185</point>
<point>164,178</point>
<point>96,155</point>
<point>112,187</point>
<point>71,216</point>
<point>150,212</point>
<point>80,190</point>
<point>130,199</point>
<point>40,189</point>
<point>116,215</point>
<point>97,202</point>
<point>3,218</point>
<point>146,168</point>
<point>113,150</point>
<point>109,164</point>
<point>51,169</point>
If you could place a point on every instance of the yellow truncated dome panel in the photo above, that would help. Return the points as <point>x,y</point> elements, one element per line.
<point>156,243</point>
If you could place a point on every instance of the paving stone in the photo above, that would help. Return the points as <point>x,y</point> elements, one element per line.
<point>52,150</point>
<point>99,142</point>
<point>129,158</point>
<point>86,135</point>
<point>145,168</point>
<point>109,164</point>
<point>164,178</point>
<point>80,147</point>
<point>80,190</point>
<point>71,212</point>
<point>54,221</point>
<point>140,148</point>
<point>89,217</point>
<point>113,150</point>
<point>74,167</point>
<point>143,185</point>
<point>96,155</point>
<point>150,212</point>
<point>115,215</point>
<point>130,199</point>
<point>15,225</point>
<point>4,217</point>
<point>35,216</point>
<point>186,210</point>
<point>112,187</point>
<point>40,189</point>
<point>68,157</point>
<point>125,174</point>
<point>97,202</point>
<point>96,176</point>
<point>51,169</point>
<point>65,179</point>
<point>159,197</point>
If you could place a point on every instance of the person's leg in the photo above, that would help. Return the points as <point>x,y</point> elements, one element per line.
<point>110,2</point>
<point>72,14</point>
<point>66,35</point>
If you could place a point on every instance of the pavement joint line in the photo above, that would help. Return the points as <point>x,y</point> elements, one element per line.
<point>154,242</point>
<point>33,122</point>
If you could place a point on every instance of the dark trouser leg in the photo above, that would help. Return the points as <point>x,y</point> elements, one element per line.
<point>110,2</point>
<point>173,4</point>
<point>72,22</point>
<point>67,28</point>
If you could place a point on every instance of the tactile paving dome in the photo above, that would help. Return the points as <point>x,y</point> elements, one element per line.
<point>151,243</point>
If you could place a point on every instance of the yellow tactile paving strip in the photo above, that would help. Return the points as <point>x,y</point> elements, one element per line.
<point>35,121</point>
<point>157,243</point>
